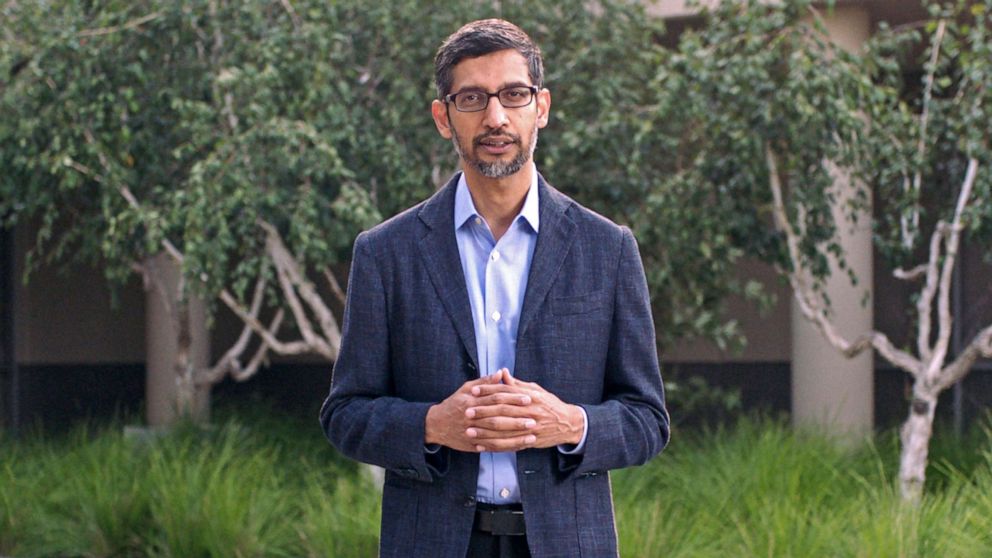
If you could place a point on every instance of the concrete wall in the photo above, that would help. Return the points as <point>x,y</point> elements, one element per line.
<point>67,316</point>
<point>769,338</point>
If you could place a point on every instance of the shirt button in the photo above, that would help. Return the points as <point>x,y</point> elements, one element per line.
<point>505,493</point>
<point>496,316</point>
<point>495,256</point>
<point>478,221</point>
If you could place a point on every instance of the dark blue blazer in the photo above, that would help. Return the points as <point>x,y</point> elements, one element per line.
<point>585,334</point>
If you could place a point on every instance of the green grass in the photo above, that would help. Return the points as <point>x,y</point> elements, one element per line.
<point>266,486</point>
<point>760,489</point>
<point>271,488</point>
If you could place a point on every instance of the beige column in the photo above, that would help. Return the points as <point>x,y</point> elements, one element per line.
<point>171,347</point>
<point>828,389</point>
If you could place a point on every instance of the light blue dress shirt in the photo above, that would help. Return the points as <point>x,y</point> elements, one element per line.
<point>496,277</point>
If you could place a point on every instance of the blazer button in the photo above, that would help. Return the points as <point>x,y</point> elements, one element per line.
<point>470,501</point>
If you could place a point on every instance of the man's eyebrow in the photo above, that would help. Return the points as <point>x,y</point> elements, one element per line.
<point>504,86</point>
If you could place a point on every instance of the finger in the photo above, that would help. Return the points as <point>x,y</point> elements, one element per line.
<point>504,424</point>
<point>479,434</point>
<point>517,399</point>
<point>490,380</point>
<point>489,389</point>
<point>484,435</point>
<point>504,375</point>
<point>507,444</point>
<point>469,385</point>
<point>482,380</point>
<point>499,410</point>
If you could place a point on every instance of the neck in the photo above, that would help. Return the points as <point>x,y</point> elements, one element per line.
<point>499,200</point>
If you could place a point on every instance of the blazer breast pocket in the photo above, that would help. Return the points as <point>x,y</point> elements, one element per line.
<point>580,304</point>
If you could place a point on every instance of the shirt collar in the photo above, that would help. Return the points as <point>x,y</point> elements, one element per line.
<point>465,207</point>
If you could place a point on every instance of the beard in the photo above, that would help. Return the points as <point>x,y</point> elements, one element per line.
<point>497,168</point>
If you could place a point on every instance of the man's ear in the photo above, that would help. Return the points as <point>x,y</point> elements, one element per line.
<point>543,107</point>
<point>439,111</point>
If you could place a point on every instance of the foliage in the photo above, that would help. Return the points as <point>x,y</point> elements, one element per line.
<point>759,77</point>
<point>692,400</point>
<point>258,489</point>
<point>789,138</point>
<point>926,131</point>
<point>313,116</point>
<point>751,77</point>
<point>267,485</point>
<point>763,489</point>
<point>198,110</point>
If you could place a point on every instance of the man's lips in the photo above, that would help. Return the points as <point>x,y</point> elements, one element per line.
<point>496,145</point>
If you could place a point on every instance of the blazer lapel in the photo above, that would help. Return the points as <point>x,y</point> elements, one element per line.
<point>440,252</point>
<point>553,242</point>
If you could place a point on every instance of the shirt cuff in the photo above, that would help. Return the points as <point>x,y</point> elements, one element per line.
<point>578,449</point>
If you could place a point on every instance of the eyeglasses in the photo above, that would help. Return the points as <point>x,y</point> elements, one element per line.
<point>474,100</point>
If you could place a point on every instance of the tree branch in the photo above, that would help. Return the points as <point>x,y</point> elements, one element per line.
<point>129,25</point>
<point>260,354</point>
<point>980,346</point>
<point>218,45</point>
<point>807,301</point>
<point>232,118</point>
<point>230,360</point>
<point>896,356</point>
<point>909,274</point>
<point>909,236</point>
<point>283,348</point>
<point>924,304</point>
<point>951,244</point>
<point>289,291</point>
<point>125,193</point>
<point>123,190</point>
<point>292,279</point>
<point>335,286</point>
<point>297,22</point>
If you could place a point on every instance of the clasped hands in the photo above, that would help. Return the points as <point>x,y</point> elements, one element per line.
<point>501,413</point>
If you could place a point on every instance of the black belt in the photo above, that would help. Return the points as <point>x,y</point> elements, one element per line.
<point>500,520</point>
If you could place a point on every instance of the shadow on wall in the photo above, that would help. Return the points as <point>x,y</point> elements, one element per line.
<point>55,397</point>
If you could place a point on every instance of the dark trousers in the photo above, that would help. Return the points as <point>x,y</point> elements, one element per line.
<point>486,544</point>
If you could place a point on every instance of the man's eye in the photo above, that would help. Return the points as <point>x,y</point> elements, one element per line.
<point>515,93</point>
<point>471,97</point>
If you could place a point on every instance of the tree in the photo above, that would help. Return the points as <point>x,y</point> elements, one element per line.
<point>775,112</point>
<point>248,143</point>
<point>126,135</point>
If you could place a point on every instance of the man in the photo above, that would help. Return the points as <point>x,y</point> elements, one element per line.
<point>498,353</point>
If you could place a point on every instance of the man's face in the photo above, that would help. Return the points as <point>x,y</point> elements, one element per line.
<point>495,142</point>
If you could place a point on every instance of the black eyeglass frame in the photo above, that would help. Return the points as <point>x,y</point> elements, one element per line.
<point>450,97</point>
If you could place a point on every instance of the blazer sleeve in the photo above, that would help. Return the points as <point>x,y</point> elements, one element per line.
<point>360,416</point>
<point>631,425</point>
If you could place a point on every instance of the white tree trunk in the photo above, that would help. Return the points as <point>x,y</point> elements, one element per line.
<point>915,436</point>
<point>177,342</point>
<point>929,369</point>
<point>192,399</point>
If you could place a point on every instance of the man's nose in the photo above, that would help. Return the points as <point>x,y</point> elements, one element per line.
<point>495,116</point>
